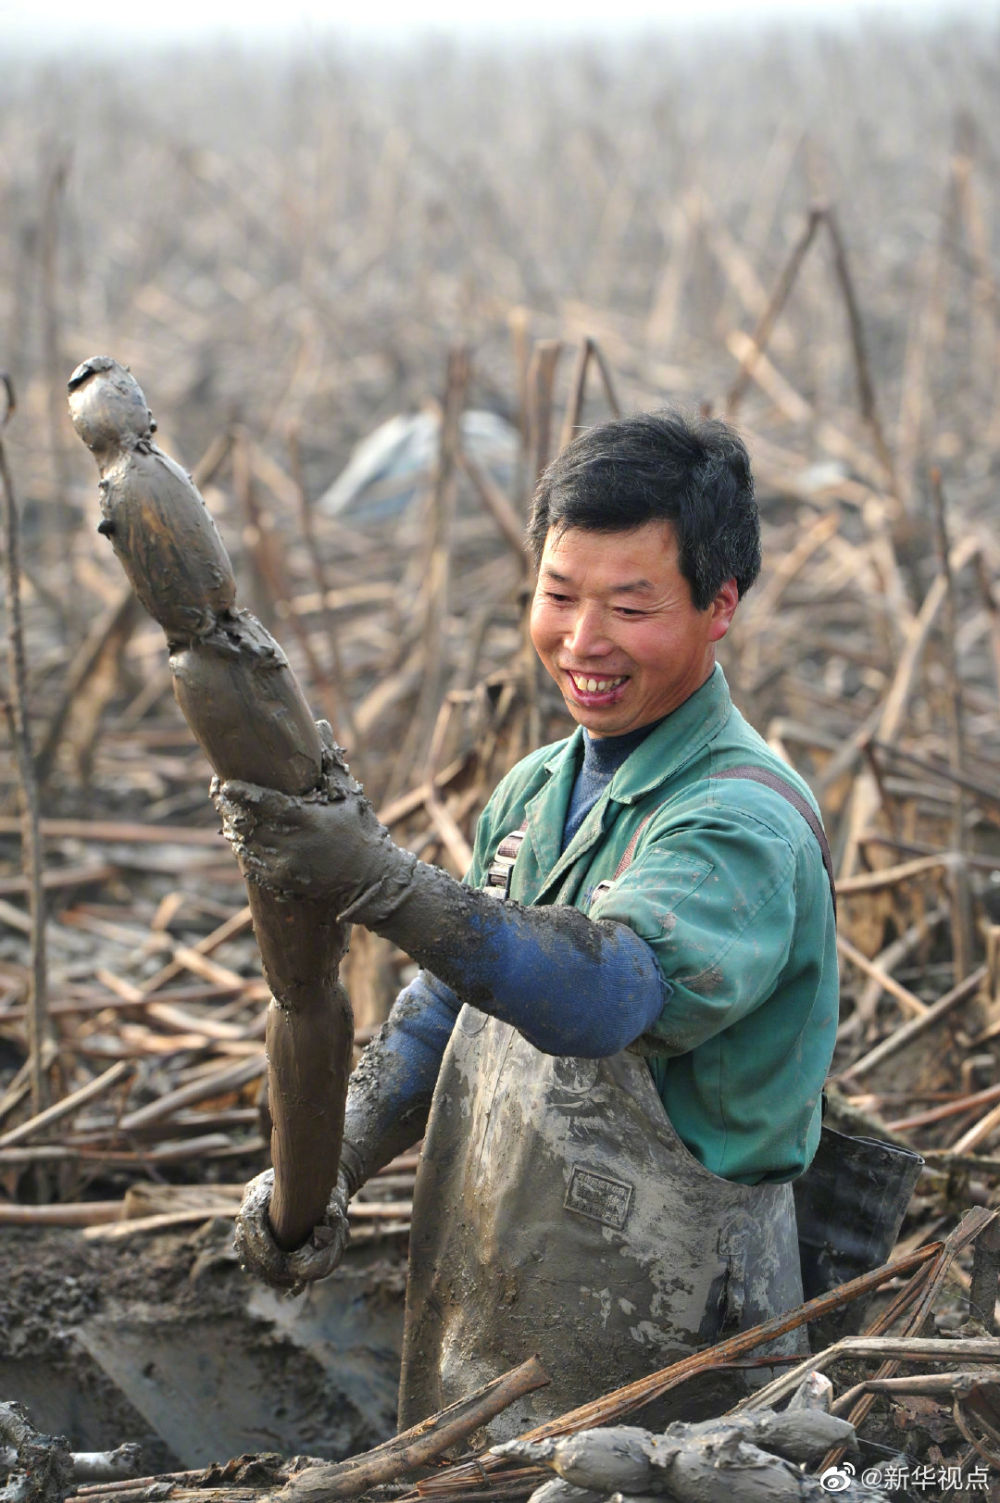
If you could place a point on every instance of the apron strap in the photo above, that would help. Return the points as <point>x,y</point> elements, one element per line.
<point>792,796</point>
<point>498,876</point>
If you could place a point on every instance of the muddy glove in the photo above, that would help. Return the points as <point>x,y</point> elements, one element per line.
<point>322,845</point>
<point>387,1104</point>
<point>260,1255</point>
<point>549,971</point>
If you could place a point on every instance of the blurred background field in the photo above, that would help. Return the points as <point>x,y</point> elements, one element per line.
<point>794,227</point>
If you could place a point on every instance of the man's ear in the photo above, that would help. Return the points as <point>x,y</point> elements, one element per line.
<point>727,598</point>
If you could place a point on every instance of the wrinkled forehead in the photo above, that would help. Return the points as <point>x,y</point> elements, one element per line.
<point>657,538</point>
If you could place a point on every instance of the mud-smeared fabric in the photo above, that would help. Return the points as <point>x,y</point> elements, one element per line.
<point>557,1212</point>
<point>727,888</point>
<point>574,1207</point>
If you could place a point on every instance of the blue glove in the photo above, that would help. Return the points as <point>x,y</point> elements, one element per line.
<point>569,985</point>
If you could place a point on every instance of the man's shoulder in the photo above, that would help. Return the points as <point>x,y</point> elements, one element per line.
<point>738,777</point>
<point>739,746</point>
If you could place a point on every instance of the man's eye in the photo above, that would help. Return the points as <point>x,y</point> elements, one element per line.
<point>556,599</point>
<point>627,610</point>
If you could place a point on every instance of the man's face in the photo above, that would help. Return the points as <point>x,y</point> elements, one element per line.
<point>613,623</point>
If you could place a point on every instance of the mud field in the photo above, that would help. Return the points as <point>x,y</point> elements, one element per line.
<point>167,1343</point>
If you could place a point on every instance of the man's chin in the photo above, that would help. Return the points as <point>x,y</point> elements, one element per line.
<point>606,720</point>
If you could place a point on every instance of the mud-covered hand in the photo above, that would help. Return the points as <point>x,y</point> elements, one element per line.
<point>547,970</point>
<point>326,844</point>
<point>260,1255</point>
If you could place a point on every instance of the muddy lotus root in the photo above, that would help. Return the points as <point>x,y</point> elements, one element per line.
<point>251,719</point>
<point>754,1457</point>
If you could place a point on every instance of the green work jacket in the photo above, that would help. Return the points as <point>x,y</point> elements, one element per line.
<point>727,887</point>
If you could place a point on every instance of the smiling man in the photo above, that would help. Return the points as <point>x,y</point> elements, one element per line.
<point>617,1068</point>
<point>617,629</point>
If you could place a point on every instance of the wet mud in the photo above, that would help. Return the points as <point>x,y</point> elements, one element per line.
<point>165,1342</point>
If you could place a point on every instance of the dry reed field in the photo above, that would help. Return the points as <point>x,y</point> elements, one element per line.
<point>799,231</point>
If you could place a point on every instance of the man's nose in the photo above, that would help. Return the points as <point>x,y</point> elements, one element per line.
<point>588,635</point>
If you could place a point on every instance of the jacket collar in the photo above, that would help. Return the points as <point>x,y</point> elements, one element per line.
<point>668,748</point>
<point>675,742</point>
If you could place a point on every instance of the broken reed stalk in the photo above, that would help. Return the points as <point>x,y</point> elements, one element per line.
<point>962,918</point>
<point>539,390</point>
<point>906,1032</point>
<point>541,385</point>
<point>818,214</point>
<point>893,955</point>
<point>979,791</point>
<point>886,983</point>
<point>862,369</point>
<point>910,1305</point>
<point>16,710</point>
<point>509,524</point>
<point>769,317</point>
<point>49,279</point>
<point>441,816</point>
<point>971,1226</point>
<point>986,1277</point>
<point>436,589</point>
<point>343,714</point>
<point>111,1077</point>
<point>412,1449</point>
<point>518,324</point>
<point>894,703</point>
<point>886,806</point>
<point>607,380</point>
<point>108,634</point>
<point>417,1446</point>
<point>589,351</point>
<point>927,338</point>
<point>272,571</point>
<point>248,713</point>
<point>992,606</point>
<point>957,1108</point>
<point>727,253</point>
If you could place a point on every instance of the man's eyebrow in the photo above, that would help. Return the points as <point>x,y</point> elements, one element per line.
<point>633,587</point>
<point>629,587</point>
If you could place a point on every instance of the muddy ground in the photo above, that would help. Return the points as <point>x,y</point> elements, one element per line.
<point>165,1341</point>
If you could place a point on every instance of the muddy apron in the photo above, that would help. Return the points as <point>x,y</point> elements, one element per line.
<point>557,1212</point>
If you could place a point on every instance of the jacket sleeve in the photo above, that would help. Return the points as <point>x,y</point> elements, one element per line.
<point>716,902</point>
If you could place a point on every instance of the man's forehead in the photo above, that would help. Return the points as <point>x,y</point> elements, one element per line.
<point>634,553</point>
<point>626,585</point>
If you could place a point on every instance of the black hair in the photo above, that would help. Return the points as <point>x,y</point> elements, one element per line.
<point>659,466</point>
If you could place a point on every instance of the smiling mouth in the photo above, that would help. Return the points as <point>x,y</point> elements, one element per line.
<point>589,686</point>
